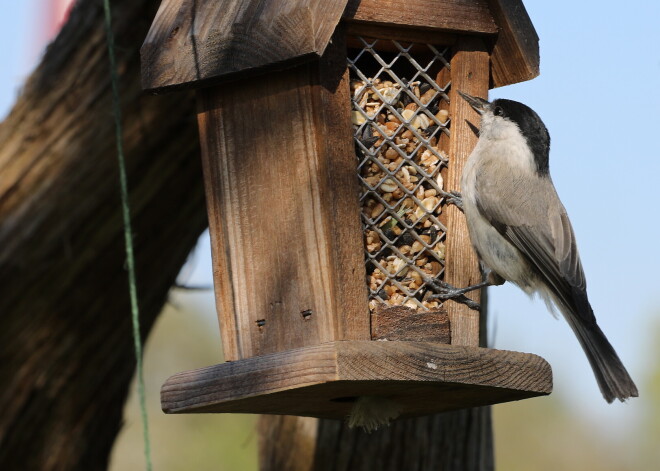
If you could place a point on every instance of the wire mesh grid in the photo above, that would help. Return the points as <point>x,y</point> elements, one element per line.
<point>399,116</point>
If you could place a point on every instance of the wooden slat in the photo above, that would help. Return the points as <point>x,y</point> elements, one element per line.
<point>405,35</point>
<point>515,56</point>
<point>281,187</point>
<point>467,16</point>
<point>204,41</point>
<point>404,323</point>
<point>469,74</point>
<point>339,200</point>
<point>323,380</point>
<point>194,41</point>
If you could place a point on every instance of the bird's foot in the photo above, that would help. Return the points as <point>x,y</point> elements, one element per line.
<point>453,197</point>
<point>444,291</point>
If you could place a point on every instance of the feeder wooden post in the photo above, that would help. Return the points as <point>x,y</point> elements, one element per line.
<point>470,67</point>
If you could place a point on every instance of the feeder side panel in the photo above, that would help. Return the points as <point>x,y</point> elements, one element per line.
<point>340,203</point>
<point>281,204</point>
<point>468,16</point>
<point>193,41</point>
<point>470,74</point>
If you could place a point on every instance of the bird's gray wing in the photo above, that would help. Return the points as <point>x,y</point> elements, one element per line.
<point>531,217</point>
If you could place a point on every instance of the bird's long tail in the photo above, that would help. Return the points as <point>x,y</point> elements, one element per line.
<point>613,378</point>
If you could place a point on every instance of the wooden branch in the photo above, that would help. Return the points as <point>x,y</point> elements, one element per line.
<point>65,329</point>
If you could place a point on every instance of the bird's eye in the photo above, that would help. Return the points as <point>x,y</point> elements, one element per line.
<point>498,111</point>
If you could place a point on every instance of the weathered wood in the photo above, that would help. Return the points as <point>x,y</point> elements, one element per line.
<point>283,208</point>
<point>323,380</point>
<point>405,35</point>
<point>404,323</point>
<point>287,442</point>
<point>66,345</point>
<point>192,41</point>
<point>469,74</point>
<point>515,56</point>
<point>467,16</point>
<point>451,441</point>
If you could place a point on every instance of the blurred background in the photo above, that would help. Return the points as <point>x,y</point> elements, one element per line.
<point>598,94</point>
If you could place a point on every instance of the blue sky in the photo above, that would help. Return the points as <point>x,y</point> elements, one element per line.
<point>598,94</point>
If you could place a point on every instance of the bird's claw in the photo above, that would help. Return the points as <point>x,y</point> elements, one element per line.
<point>443,290</point>
<point>453,197</point>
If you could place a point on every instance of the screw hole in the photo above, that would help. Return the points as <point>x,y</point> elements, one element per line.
<point>306,314</point>
<point>261,322</point>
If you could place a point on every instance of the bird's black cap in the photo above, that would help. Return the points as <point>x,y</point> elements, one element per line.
<point>532,128</point>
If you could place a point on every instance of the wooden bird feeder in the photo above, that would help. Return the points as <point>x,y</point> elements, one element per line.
<point>329,129</point>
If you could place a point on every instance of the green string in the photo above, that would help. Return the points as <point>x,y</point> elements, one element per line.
<point>130,258</point>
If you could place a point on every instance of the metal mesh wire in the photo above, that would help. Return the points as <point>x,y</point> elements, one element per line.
<point>399,115</point>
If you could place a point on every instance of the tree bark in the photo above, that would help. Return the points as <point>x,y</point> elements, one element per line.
<point>453,441</point>
<point>66,349</point>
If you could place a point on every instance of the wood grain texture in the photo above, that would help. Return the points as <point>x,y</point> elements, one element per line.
<point>287,443</point>
<point>66,345</point>
<point>406,35</point>
<point>469,74</point>
<point>450,441</point>
<point>467,16</point>
<point>323,380</point>
<point>197,40</point>
<point>404,323</point>
<point>515,55</point>
<point>202,40</point>
<point>283,208</point>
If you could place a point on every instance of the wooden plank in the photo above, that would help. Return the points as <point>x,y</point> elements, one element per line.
<point>283,207</point>
<point>515,56</point>
<point>340,189</point>
<point>191,41</point>
<point>405,35</point>
<point>205,41</point>
<point>469,74</point>
<point>324,380</point>
<point>404,323</point>
<point>467,16</point>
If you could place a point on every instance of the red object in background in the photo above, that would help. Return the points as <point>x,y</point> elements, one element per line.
<point>53,15</point>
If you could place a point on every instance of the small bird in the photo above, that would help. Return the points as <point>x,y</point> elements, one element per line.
<point>521,232</point>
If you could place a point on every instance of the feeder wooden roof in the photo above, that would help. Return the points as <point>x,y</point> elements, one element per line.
<point>206,40</point>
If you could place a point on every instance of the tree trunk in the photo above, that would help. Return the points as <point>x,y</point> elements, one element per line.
<point>66,349</point>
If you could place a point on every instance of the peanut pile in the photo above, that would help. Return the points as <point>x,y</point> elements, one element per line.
<point>399,164</point>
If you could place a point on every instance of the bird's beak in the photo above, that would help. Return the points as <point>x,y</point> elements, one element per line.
<point>478,104</point>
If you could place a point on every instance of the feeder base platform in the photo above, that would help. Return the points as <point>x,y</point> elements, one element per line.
<point>324,380</point>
